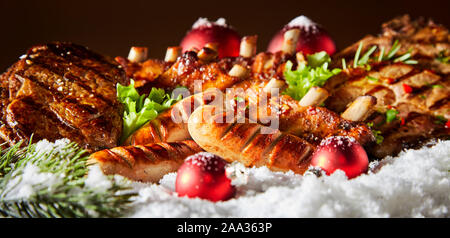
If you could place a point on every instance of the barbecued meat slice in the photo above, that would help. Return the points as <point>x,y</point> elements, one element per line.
<point>419,92</point>
<point>214,73</point>
<point>62,90</point>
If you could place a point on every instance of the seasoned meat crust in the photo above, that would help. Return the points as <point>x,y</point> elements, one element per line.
<point>62,90</point>
<point>419,92</point>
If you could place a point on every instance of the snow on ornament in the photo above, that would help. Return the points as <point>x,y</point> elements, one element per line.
<point>204,31</point>
<point>203,175</point>
<point>341,152</point>
<point>313,38</point>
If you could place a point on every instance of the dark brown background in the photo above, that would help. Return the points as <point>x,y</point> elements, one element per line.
<point>111,27</point>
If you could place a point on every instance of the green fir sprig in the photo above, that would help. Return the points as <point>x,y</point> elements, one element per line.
<point>67,196</point>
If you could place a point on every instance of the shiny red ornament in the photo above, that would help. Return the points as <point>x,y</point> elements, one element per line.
<point>313,38</point>
<point>340,152</point>
<point>204,31</point>
<point>203,175</point>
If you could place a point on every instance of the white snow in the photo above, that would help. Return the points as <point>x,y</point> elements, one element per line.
<point>414,184</point>
<point>204,22</point>
<point>302,22</point>
<point>97,180</point>
<point>33,180</point>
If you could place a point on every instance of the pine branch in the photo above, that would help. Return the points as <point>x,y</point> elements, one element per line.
<point>68,196</point>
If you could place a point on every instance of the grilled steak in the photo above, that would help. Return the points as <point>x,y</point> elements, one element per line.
<point>418,92</point>
<point>62,90</point>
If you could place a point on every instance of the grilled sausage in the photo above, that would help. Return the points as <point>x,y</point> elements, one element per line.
<point>171,125</point>
<point>244,142</point>
<point>315,123</point>
<point>145,163</point>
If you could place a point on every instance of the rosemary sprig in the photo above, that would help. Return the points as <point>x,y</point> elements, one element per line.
<point>365,59</point>
<point>66,196</point>
<point>395,47</point>
<point>358,52</point>
<point>380,56</point>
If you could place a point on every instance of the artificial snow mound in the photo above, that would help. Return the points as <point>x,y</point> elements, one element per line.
<point>204,22</point>
<point>414,184</point>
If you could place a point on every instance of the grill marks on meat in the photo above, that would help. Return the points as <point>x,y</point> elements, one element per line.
<point>62,90</point>
<point>145,163</point>
<point>419,92</point>
<point>306,122</point>
<point>425,40</point>
<point>387,83</point>
<point>189,68</point>
<point>213,74</point>
<point>211,128</point>
<point>316,123</point>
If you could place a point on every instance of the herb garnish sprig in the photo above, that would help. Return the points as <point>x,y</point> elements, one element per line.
<point>379,138</point>
<point>391,115</point>
<point>364,60</point>
<point>139,109</point>
<point>442,58</point>
<point>306,76</point>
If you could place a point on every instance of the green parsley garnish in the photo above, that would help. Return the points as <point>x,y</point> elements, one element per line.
<point>139,109</point>
<point>391,115</point>
<point>239,99</point>
<point>379,138</point>
<point>372,78</point>
<point>440,120</point>
<point>316,73</point>
<point>437,86</point>
<point>318,59</point>
<point>442,58</point>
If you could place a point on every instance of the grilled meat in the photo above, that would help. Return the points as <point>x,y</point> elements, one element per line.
<point>419,92</point>
<point>213,73</point>
<point>171,125</point>
<point>425,40</point>
<point>316,123</point>
<point>143,72</point>
<point>62,90</point>
<point>421,111</point>
<point>145,163</point>
<point>244,142</point>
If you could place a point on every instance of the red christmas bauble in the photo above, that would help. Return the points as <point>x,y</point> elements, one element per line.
<point>203,175</point>
<point>340,152</point>
<point>204,31</point>
<point>313,38</point>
